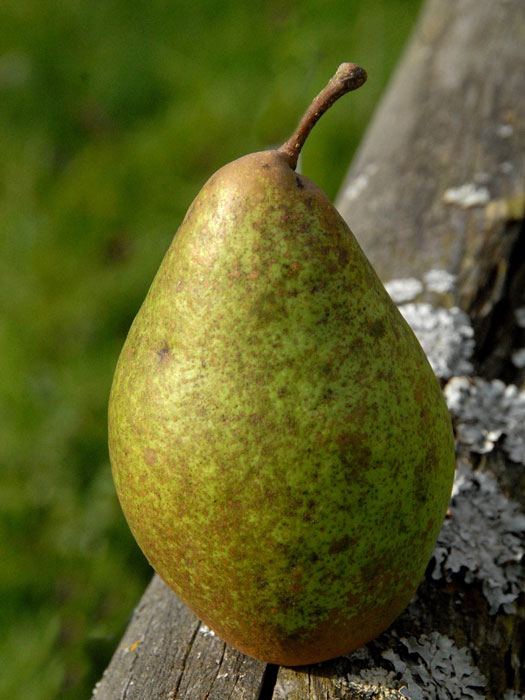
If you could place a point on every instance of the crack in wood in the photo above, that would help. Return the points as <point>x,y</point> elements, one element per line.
<point>268,682</point>
<point>219,666</point>
<point>184,661</point>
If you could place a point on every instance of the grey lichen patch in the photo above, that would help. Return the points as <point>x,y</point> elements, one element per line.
<point>409,288</point>
<point>482,539</point>
<point>505,131</point>
<point>446,336</point>
<point>511,695</point>
<point>362,690</point>
<point>403,290</point>
<point>518,358</point>
<point>431,667</point>
<point>434,668</point>
<point>369,679</point>
<point>439,281</point>
<point>467,196</point>
<point>486,412</point>
<point>355,188</point>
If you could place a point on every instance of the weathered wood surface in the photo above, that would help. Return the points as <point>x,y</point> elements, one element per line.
<point>166,653</point>
<point>453,116</point>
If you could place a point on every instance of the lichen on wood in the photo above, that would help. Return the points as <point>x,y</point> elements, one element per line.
<point>429,667</point>
<point>486,413</point>
<point>483,540</point>
<point>445,334</point>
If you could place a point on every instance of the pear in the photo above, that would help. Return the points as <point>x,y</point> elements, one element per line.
<point>279,443</point>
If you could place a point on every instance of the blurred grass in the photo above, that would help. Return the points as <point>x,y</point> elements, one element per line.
<point>112,115</point>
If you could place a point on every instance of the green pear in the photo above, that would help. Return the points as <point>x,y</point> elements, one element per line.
<point>279,443</point>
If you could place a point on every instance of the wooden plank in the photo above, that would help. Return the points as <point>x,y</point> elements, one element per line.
<point>452,117</point>
<point>166,654</point>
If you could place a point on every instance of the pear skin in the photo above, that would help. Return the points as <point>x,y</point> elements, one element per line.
<point>279,443</point>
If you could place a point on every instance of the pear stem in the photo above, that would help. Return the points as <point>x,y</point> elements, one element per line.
<point>348,77</point>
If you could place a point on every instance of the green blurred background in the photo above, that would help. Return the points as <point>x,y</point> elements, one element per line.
<point>112,116</point>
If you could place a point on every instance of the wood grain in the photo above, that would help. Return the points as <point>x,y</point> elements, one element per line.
<point>166,654</point>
